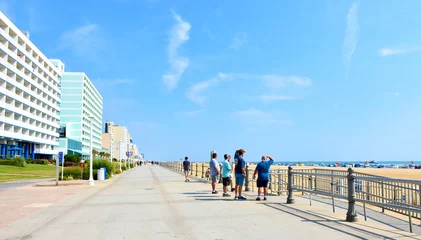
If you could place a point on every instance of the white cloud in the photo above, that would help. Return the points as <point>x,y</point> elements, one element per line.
<point>208,32</point>
<point>256,119</point>
<point>396,51</point>
<point>397,94</point>
<point>351,35</point>
<point>178,36</point>
<point>237,41</point>
<point>193,113</point>
<point>196,92</point>
<point>85,41</point>
<point>273,98</point>
<point>276,81</point>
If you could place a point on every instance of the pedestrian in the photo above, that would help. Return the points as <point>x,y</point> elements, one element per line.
<point>240,174</point>
<point>226,175</point>
<point>186,167</point>
<point>233,163</point>
<point>262,170</point>
<point>214,171</point>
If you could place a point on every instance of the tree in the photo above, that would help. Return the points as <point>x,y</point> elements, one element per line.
<point>94,153</point>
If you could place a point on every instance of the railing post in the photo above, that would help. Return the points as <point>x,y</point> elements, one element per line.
<point>290,199</point>
<point>203,170</point>
<point>247,179</point>
<point>351,215</point>
<point>279,182</point>
<point>196,169</point>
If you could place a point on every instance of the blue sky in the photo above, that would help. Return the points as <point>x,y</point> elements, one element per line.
<point>299,80</point>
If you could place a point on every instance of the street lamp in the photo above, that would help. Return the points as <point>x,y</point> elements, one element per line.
<point>119,153</point>
<point>91,159</point>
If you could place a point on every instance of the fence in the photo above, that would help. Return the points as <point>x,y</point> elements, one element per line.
<point>398,195</point>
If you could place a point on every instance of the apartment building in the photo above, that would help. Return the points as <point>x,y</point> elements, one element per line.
<point>80,103</point>
<point>120,140</point>
<point>29,97</point>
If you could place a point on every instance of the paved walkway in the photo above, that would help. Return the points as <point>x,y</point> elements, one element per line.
<point>151,202</point>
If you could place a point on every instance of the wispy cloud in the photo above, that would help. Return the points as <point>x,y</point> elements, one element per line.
<point>258,119</point>
<point>208,32</point>
<point>351,35</point>
<point>178,36</point>
<point>193,113</point>
<point>85,41</point>
<point>237,41</point>
<point>276,81</point>
<point>397,51</point>
<point>196,92</point>
<point>274,98</point>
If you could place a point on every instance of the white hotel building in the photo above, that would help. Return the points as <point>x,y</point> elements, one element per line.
<point>29,97</point>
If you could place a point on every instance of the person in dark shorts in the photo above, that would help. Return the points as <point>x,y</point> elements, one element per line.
<point>186,168</point>
<point>240,174</point>
<point>262,170</point>
<point>226,175</point>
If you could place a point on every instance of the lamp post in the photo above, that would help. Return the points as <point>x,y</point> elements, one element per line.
<point>119,153</point>
<point>91,177</point>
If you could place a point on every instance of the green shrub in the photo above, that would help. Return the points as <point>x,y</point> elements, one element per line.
<point>20,162</point>
<point>123,167</point>
<point>117,171</point>
<point>45,162</point>
<point>75,172</point>
<point>86,173</point>
<point>7,162</point>
<point>71,158</point>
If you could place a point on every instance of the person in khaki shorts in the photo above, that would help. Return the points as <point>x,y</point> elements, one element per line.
<point>215,171</point>
<point>186,168</point>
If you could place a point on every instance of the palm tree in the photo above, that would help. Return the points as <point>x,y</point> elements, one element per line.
<point>108,155</point>
<point>102,154</point>
<point>94,153</point>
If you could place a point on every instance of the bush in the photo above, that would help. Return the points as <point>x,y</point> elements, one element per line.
<point>86,173</point>
<point>71,164</point>
<point>117,171</point>
<point>75,172</point>
<point>123,167</point>
<point>7,162</point>
<point>97,164</point>
<point>71,158</point>
<point>20,162</point>
<point>45,162</point>
<point>35,161</point>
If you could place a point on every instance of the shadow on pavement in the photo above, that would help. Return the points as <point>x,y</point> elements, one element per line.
<point>337,225</point>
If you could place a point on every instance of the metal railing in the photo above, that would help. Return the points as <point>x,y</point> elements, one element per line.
<point>397,195</point>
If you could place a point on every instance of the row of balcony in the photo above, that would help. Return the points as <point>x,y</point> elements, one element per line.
<point>37,85</point>
<point>25,47</point>
<point>17,133</point>
<point>33,101</point>
<point>33,116</point>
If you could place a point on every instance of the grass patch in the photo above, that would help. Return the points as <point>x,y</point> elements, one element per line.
<point>29,172</point>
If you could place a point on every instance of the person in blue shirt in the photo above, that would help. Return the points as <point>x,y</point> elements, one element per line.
<point>240,174</point>
<point>262,169</point>
<point>186,167</point>
<point>226,175</point>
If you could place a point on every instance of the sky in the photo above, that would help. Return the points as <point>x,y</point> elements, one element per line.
<point>300,80</point>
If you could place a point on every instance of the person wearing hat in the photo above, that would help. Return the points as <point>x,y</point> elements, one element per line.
<point>262,170</point>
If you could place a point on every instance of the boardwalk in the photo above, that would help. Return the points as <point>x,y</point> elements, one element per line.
<point>151,202</point>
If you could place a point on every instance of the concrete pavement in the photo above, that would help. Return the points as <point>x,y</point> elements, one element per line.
<point>151,202</point>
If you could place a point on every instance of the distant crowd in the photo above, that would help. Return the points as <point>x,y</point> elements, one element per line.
<point>236,168</point>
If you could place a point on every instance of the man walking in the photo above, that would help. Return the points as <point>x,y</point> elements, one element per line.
<point>215,171</point>
<point>240,174</point>
<point>262,169</point>
<point>186,167</point>
<point>226,175</point>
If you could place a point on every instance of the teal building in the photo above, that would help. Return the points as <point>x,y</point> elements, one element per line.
<point>80,102</point>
